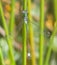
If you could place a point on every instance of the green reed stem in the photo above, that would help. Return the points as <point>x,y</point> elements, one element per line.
<point>12,60</point>
<point>8,36</point>
<point>24,44</point>
<point>31,36</point>
<point>24,33</point>
<point>52,37</point>
<point>12,18</point>
<point>1,58</point>
<point>11,28</point>
<point>3,19</point>
<point>41,31</point>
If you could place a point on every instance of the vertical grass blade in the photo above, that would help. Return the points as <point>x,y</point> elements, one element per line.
<point>41,31</point>
<point>3,19</point>
<point>31,37</point>
<point>24,44</point>
<point>24,32</point>
<point>11,55</point>
<point>52,37</point>
<point>12,18</point>
<point>8,37</point>
<point>11,29</point>
<point>1,58</point>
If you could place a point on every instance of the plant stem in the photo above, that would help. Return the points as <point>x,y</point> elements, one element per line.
<point>7,34</point>
<point>24,44</point>
<point>1,58</point>
<point>24,33</point>
<point>31,37</point>
<point>41,31</point>
<point>3,19</point>
<point>11,28</point>
<point>11,51</point>
<point>12,18</point>
<point>52,37</point>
